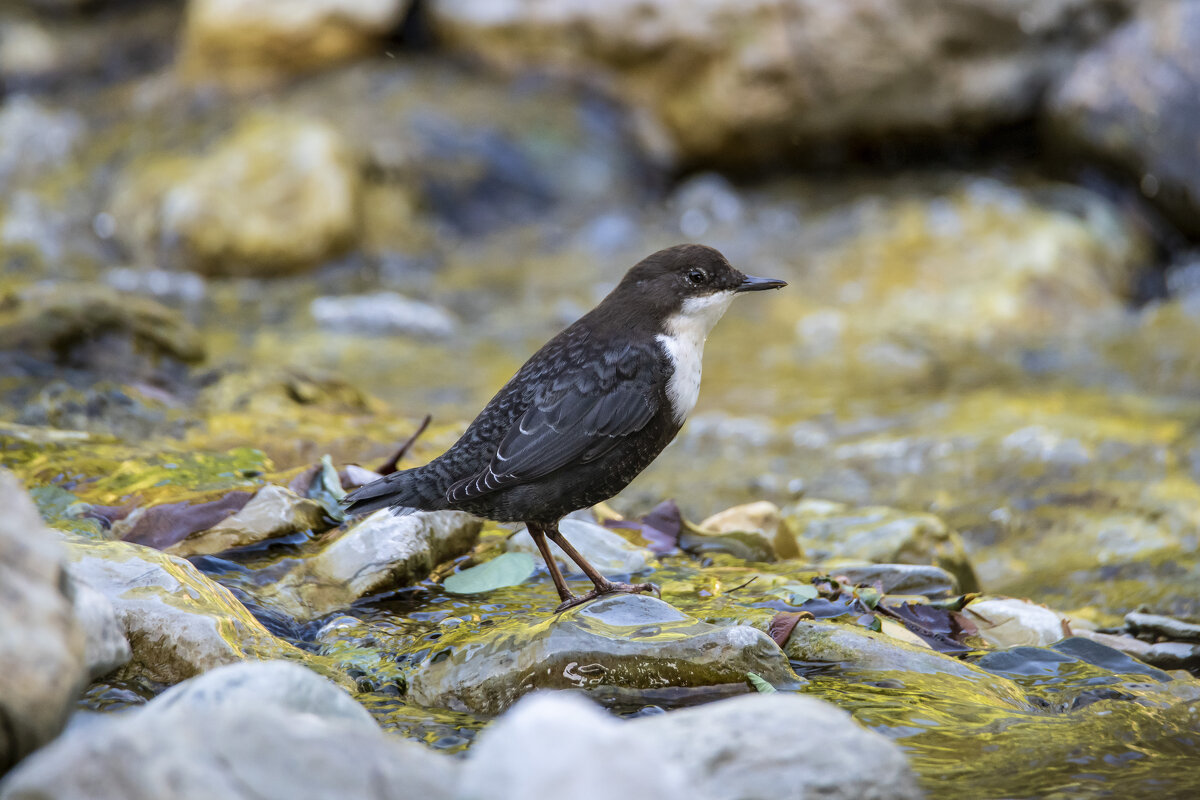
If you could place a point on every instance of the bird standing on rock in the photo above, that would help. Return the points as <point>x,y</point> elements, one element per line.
<point>586,413</point>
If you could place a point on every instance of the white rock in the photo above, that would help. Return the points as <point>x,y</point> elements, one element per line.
<point>556,744</point>
<point>1008,622</point>
<point>232,735</point>
<point>107,647</point>
<point>780,745</point>
<point>607,551</point>
<point>42,664</point>
<point>383,313</point>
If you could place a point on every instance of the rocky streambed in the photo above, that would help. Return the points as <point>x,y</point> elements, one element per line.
<point>935,521</point>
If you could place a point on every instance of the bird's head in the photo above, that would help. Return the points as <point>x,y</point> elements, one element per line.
<point>687,283</point>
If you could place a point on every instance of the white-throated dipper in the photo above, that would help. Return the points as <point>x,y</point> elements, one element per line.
<point>586,413</point>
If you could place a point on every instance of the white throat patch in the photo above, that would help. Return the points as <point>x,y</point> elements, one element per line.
<point>683,341</point>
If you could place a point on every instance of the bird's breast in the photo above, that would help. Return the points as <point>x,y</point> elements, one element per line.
<point>684,350</point>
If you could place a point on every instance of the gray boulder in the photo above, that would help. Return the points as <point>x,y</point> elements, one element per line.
<point>247,731</point>
<point>778,747</point>
<point>629,644</point>
<point>732,80</point>
<point>42,662</point>
<point>558,744</point>
<point>746,748</point>
<point>1134,103</point>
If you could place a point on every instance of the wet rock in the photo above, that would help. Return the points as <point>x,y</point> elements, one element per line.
<point>900,578</point>
<point>742,747</point>
<point>246,44</point>
<point>1158,625</point>
<point>42,645</point>
<point>630,642</point>
<point>277,195</point>
<point>278,683</point>
<point>740,85</point>
<point>178,288</point>
<point>575,745</point>
<point>755,746</point>
<point>244,732</point>
<point>52,51</point>
<point>763,518</point>
<point>71,323</point>
<point>1007,622</point>
<point>828,530</point>
<point>853,647</point>
<point>1134,103</point>
<point>608,552</point>
<point>105,648</point>
<point>178,622</point>
<point>380,552</point>
<point>273,511</point>
<point>34,137</point>
<point>386,313</point>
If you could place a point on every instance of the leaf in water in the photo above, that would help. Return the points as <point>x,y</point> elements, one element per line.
<point>506,569</point>
<point>783,623</point>
<point>163,525</point>
<point>898,631</point>
<point>869,596</point>
<point>760,684</point>
<point>660,527</point>
<point>330,481</point>
<point>795,593</point>
<point>943,629</point>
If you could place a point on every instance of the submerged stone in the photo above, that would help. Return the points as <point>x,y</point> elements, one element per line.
<point>898,578</point>
<point>632,642</point>
<point>828,530</point>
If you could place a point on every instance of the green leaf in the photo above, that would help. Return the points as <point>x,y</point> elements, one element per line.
<point>506,569</point>
<point>760,684</point>
<point>796,593</point>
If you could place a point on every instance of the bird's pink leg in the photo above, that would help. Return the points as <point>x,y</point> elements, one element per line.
<point>603,585</point>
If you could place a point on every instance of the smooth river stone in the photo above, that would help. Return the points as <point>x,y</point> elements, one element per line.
<point>621,643</point>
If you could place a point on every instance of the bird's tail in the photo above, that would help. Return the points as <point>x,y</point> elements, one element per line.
<point>404,492</point>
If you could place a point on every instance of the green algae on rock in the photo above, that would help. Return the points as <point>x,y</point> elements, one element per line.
<point>178,621</point>
<point>628,641</point>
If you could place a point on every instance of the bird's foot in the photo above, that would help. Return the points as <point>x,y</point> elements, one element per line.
<point>608,587</point>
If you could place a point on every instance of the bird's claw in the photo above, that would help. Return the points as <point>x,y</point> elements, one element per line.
<point>608,587</point>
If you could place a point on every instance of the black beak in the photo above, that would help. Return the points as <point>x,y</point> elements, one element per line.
<point>752,284</point>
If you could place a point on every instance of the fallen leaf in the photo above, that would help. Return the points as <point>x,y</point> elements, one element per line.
<point>942,629</point>
<point>163,525</point>
<point>660,528</point>
<point>760,684</point>
<point>506,569</point>
<point>783,623</point>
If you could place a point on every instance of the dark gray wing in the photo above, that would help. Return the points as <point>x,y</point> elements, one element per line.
<point>574,417</point>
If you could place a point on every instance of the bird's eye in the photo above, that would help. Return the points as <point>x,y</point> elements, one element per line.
<point>696,277</point>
